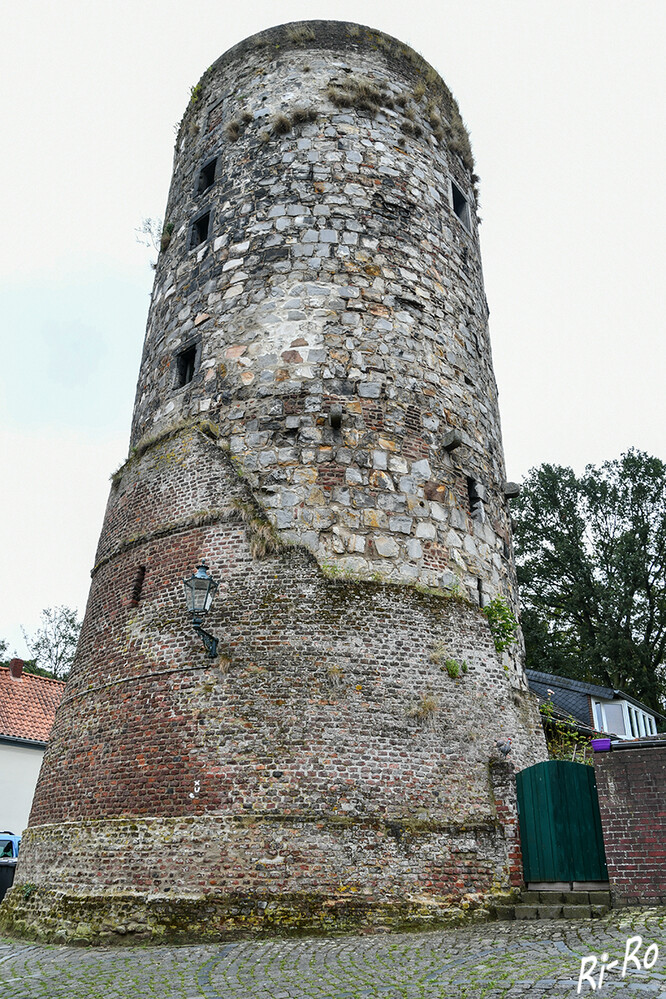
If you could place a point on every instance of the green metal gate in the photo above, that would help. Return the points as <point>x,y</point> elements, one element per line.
<point>560,827</point>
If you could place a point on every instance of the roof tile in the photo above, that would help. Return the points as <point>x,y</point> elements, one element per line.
<point>28,705</point>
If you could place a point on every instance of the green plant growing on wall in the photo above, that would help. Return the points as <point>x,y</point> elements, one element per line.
<point>359,93</point>
<point>148,441</point>
<point>263,537</point>
<point>454,668</point>
<point>302,116</point>
<point>563,739</point>
<point>439,652</point>
<point>167,233</point>
<point>195,93</point>
<point>456,592</point>
<point>503,625</point>
<point>335,676</point>
<point>232,130</point>
<point>300,35</point>
<point>281,124</point>
<point>150,233</point>
<point>426,710</point>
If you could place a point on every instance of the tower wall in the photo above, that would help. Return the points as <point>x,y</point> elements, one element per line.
<point>325,768</point>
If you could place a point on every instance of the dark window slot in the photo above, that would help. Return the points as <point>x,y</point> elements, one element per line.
<point>185,363</point>
<point>206,176</point>
<point>138,584</point>
<point>200,228</point>
<point>460,206</point>
<point>476,495</point>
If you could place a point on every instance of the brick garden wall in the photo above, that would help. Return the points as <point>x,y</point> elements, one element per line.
<point>632,798</point>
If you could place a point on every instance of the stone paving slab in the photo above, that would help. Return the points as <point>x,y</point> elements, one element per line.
<point>500,960</point>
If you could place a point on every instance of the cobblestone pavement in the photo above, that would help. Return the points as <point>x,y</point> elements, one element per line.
<point>491,960</point>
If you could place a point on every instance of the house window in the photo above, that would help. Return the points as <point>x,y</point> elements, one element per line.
<point>460,206</point>
<point>622,718</point>
<point>185,366</point>
<point>199,231</point>
<point>206,176</point>
<point>641,722</point>
<point>614,718</point>
<point>599,717</point>
<point>633,721</point>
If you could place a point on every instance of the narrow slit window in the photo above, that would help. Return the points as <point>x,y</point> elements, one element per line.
<point>460,205</point>
<point>206,176</point>
<point>138,584</point>
<point>200,228</point>
<point>476,495</point>
<point>185,366</point>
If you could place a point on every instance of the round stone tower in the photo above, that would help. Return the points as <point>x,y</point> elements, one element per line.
<point>316,418</point>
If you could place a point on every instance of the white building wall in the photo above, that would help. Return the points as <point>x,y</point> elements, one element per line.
<point>19,770</point>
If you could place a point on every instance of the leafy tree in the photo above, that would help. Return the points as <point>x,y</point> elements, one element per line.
<point>591,554</point>
<point>53,645</point>
<point>29,665</point>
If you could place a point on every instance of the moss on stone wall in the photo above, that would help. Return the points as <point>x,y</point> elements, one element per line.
<point>57,917</point>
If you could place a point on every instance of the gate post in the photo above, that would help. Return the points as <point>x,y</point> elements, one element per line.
<point>503,782</point>
<point>631,783</point>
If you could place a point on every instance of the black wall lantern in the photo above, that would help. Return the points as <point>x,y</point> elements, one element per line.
<point>199,592</point>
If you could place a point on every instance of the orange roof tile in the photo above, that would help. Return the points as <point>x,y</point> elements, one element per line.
<point>28,705</point>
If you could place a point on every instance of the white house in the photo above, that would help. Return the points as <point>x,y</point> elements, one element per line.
<point>27,708</point>
<point>600,708</point>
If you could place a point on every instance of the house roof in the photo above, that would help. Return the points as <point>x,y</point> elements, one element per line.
<point>27,704</point>
<point>572,695</point>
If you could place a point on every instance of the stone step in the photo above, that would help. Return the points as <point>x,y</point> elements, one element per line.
<point>565,897</point>
<point>555,905</point>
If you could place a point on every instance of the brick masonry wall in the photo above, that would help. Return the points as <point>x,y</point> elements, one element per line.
<point>325,753</point>
<point>326,745</point>
<point>632,799</point>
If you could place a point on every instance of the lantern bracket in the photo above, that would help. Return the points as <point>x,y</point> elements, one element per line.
<point>210,642</point>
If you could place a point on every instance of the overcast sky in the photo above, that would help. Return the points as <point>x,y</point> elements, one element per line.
<point>564,101</point>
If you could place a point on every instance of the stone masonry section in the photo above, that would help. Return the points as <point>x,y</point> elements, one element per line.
<point>631,783</point>
<point>316,417</point>
<point>336,310</point>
